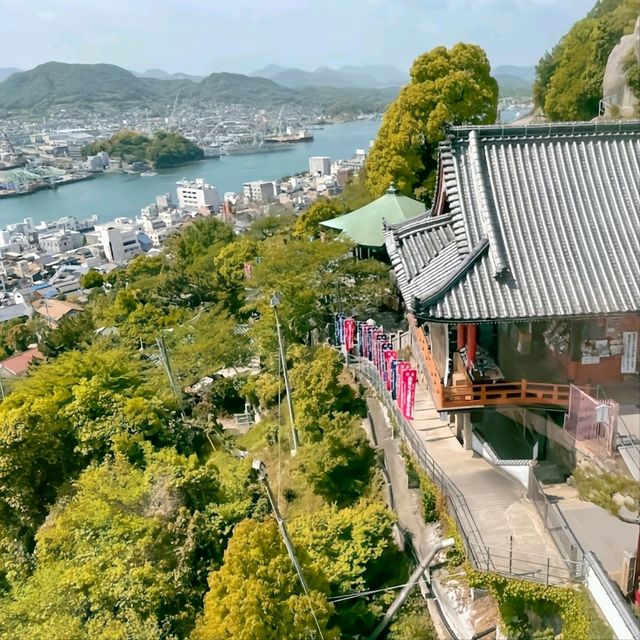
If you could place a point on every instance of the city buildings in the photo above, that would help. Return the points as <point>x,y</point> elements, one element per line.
<point>260,191</point>
<point>197,195</point>
<point>319,165</point>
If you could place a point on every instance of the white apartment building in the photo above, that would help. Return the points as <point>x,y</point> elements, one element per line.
<point>319,165</point>
<point>60,241</point>
<point>260,191</point>
<point>196,195</point>
<point>119,244</point>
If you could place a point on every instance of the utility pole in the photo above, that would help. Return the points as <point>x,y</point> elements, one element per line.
<point>275,301</point>
<point>415,576</point>
<point>164,356</point>
<point>261,469</point>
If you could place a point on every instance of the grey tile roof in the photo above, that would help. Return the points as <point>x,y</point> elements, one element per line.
<point>537,222</point>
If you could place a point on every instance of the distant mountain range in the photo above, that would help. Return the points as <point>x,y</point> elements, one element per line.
<point>366,77</point>
<point>159,74</point>
<point>350,89</point>
<point>515,81</point>
<point>57,85</point>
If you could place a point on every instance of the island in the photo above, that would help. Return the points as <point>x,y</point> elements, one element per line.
<point>161,151</point>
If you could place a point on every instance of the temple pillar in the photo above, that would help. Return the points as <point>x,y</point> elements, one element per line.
<point>472,333</point>
<point>461,336</point>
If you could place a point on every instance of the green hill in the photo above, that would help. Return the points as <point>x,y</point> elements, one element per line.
<point>62,85</point>
<point>568,83</point>
<point>105,87</point>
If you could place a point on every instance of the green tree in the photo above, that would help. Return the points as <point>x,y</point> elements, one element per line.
<point>91,279</point>
<point>69,412</point>
<point>126,554</point>
<point>72,332</point>
<point>256,592</point>
<point>447,86</point>
<point>269,226</point>
<point>413,622</point>
<point>318,391</point>
<point>205,343</point>
<point>340,465</point>
<point>568,83</point>
<point>20,336</point>
<point>308,223</point>
<point>359,541</point>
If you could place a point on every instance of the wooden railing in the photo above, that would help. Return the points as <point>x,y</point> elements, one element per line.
<point>521,392</point>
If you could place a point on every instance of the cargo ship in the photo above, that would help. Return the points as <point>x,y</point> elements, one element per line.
<point>301,136</point>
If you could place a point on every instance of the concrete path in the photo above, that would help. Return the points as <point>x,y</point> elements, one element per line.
<point>595,529</point>
<point>497,503</point>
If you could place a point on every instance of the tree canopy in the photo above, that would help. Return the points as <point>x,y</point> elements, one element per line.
<point>256,571</point>
<point>161,151</point>
<point>447,86</point>
<point>568,83</point>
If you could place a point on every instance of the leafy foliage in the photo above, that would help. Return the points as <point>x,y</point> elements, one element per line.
<point>339,466</point>
<point>91,279</point>
<point>257,571</point>
<point>610,491</point>
<point>308,224</point>
<point>413,622</point>
<point>516,598</point>
<point>447,86</point>
<point>127,553</point>
<point>568,83</point>
<point>162,151</point>
<point>318,390</point>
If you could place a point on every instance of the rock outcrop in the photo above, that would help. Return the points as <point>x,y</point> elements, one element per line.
<point>618,98</point>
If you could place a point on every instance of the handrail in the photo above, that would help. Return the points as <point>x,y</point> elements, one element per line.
<point>509,562</point>
<point>523,392</point>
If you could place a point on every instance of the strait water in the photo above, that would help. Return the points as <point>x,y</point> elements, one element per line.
<point>112,196</point>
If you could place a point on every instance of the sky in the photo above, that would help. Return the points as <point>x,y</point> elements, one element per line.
<point>205,36</point>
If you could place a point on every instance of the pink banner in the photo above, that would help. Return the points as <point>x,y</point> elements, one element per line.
<point>349,328</point>
<point>411,378</point>
<point>389,357</point>
<point>401,367</point>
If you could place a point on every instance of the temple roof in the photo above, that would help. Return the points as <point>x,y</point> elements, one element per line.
<point>364,226</point>
<point>529,223</point>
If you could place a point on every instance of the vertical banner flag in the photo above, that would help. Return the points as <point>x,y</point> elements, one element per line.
<point>359,331</point>
<point>390,357</point>
<point>394,378</point>
<point>349,328</point>
<point>381,338</point>
<point>385,347</point>
<point>404,395</point>
<point>368,330</point>
<point>411,379</point>
<point>374,342</point>
<point>401,367</point>
<point>339,329</point>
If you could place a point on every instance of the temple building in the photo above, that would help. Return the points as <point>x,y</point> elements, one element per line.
<point>524,276</point>
<point>364,226</point>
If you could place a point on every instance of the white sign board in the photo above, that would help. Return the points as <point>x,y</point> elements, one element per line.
<point>629,352</point>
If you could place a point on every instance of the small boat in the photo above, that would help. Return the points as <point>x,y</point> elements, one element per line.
<point>148,174</point>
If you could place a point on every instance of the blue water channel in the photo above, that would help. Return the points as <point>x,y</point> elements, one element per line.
<point>115,195</point>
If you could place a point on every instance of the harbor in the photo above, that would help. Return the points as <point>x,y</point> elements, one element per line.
<point>112,195</point>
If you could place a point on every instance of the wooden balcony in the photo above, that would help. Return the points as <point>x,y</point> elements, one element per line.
<point>520,392</point>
